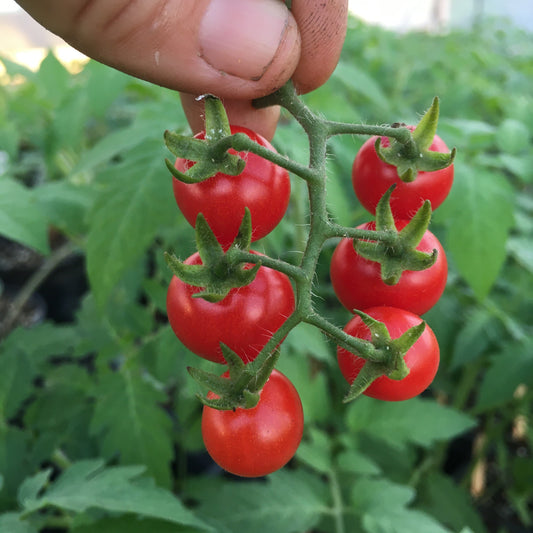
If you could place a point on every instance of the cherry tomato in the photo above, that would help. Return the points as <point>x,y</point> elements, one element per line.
<point>357,281</point>
<point>258,441</point>
<point>372,177</point>
<point>263,187</point>
<point>422,358</point>
<point>244,320</point>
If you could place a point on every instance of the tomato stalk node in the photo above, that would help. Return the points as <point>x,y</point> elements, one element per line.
<point>414,155</point>
<point>398,254</point>
<point>220,271</point>
<point>393,350</point>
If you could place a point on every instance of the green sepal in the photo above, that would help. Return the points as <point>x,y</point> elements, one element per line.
<point>211,155</point>
<point>401,254</point>
<point>217,124</point>
<point>414,156</point>
<point>217,384</point>
<point>378,331</point>
<point>393,364</point>
<point>367,375</point>
<point>219,273</point>
<point>243,386</point>
<point>262,373</point>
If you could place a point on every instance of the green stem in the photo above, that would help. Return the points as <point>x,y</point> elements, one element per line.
<point>402,135</point>
<point>33,283</point>
<point>338,506</point>
<point>294,272</point>
<point>335,230</point>
<point>363,348</point>
<point>243,143</point>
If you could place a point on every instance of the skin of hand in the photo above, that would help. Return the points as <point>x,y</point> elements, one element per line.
<point>236,49</point>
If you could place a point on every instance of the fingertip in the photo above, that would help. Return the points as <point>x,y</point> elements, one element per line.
<point>322,28</point>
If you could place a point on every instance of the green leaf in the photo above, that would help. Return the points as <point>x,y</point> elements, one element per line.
<point>12,523</point>
<point>508,369</point>
<point>21,218</point>
<point>479,328</point>
<point>308,339</point>
<point>379,496</point>
<point>53,79</point>
<point>16,380</point>
<point>361,81</point>
<point>386,420</point>
<point>521,248</point>
<point>313,386</point>
<point>32,486</point>
<point>133,524</point>
<point>122,140</point>
<point>289,502</point>
<point>513,136</point>
<point>88,484</point>
<point>66,205</point>
<point>479,212</point>
<point>449,503</point>
<point>353,461</point>
<point>316,451</point>
<point>402,521</point>
<point>15,463</point>
<point>103,86</point>
<point>130,208</point>
<point>130,421</point>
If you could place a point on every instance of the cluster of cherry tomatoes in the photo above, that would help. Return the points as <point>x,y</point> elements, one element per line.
<point>257,441</point>
<point>358,284</point>
<point>246,442</point>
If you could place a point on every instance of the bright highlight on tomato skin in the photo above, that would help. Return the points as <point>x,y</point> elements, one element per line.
<point>263,187</point>
<point>244,320</point>
<point>422,358</point>
<point>357,281</point>
<point>372,177</point>
<point>256,442</point>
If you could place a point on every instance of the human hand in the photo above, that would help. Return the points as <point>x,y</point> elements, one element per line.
<point>236,49</point>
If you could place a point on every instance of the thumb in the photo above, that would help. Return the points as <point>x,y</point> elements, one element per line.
<point>233,48</point>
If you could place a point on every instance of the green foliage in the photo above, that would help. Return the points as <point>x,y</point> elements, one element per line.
<point>99,425</point>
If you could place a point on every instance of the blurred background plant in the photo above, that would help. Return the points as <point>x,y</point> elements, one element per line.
<point>99,426</point>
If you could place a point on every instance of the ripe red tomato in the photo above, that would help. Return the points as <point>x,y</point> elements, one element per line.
<point>256,442</point>
<point>244,320</point>
<point>372,177</point>
<point>357,281</point>
<point>422,358</point>
<point>263,187</point>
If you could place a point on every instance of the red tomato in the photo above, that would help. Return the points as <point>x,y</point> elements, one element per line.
<point>357,281</point>
<point>372,177</point>
<point>258,441</point>
<point>244,320</point>
<point>263,187</point>
<point>422,358</point>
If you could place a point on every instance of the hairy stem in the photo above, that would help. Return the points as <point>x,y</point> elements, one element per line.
<point>34,282</point>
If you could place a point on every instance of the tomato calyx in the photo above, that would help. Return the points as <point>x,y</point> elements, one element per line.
<point>240,386</point>
<point>210,154</point>
<point>392,352</point>
<point>398,253</point>
<point>414,155</point>
<point>220,270</point>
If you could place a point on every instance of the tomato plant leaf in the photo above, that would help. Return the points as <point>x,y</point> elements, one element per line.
<point>479,215</point>
<point>128,212</point>
<point>386,420</point>
<point>508,369</point>
<point>129,421</point>
<point>21,217</point>
<point>290,503</point>
<point>13,523</point>
<point>89,484</point>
